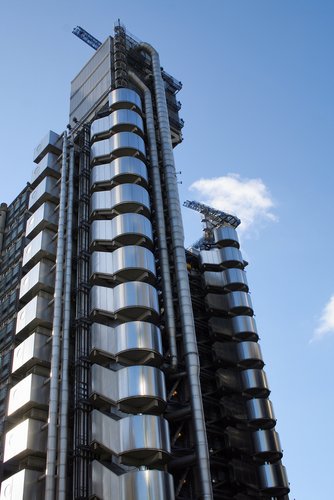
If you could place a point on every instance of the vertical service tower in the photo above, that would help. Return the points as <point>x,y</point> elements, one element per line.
<point>136,373</point>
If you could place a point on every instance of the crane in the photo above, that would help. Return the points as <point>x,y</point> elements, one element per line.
<point>86,37</point>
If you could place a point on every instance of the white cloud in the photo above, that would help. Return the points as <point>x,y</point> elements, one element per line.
<point>248,199</point>
<point>326,321</point>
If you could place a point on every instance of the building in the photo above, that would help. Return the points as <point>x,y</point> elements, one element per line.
<point>130,367</point>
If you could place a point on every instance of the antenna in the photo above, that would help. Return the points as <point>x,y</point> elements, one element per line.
<point>86,37</point>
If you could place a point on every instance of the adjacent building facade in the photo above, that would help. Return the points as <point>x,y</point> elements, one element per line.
<point>130,367</point>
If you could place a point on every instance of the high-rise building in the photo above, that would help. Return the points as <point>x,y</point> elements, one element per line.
<point>130,367</point>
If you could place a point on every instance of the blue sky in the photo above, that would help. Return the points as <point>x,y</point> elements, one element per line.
<point>258,104</point>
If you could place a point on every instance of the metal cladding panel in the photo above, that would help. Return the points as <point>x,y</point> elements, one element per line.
<point>133,485</point>
<point>47,145</point>
<point>254,382</point>
<point>93,82</point>
<point>40,277</point>
<point>260,412</point>
<point>25,439</point>
<point>244,327</point>
<point>221,327</point>
<point>228,380</point>
<point>135,436</point>
<point>31,392</point>
<point>124,98</point>
<point>47,166</point>
<point>24,485</point>
<point>122,144</point>
<point>228,280</point>
<point>216,302</point>
<point>126,229</point>
<point>226,236</point>
<point>245,354</point>
<point>239,302</point>
<point>43,245</point>
<point>121,170</point>
<point>274,479</point>
<point>134,341</point>
<point>122,119</point>
<point>46,190</point>
<point>127,263</point>
<point>121,199</point>
<point>213,279</point>
<point>267,445</point>
<point>34,350</point>
<point>248,351</point>
<point>139,385</point>
<point>44,217</point>
<point>36,313</point>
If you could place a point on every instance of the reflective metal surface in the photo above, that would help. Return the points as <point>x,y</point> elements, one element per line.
<point>134,389</point>
<point>121,199</point>
<point>126,169</point>
<point>47,166</point>
<point>124,98</point>
<point>243,354</point>
<point>37,312</point>
<point>42,246</point>
<point>125,229</point>
<point>121,120</point>
<point>136,439</point>
<point>260,412</point>
<point>49,144</point>
<point>47,190</point>
<point>220,328</point>
<point>128,263</point>
<point>24,485</point>
<point>134,342</point>
<point>127,301</point>
<point>132,485</point>
<point>120,144</point>
<point>228,280</point>
<point>34,350</point>
<point>226,236</point>
<point>40,277</point>
<point>44,217</point>
<point>267,445</point>
<point>27,438</point>
<point>273,479</point>
<point>31,392</point>
<point>239,303</point>
<point>254,383</point>
<point>219,258</point>
<point>244,327</point>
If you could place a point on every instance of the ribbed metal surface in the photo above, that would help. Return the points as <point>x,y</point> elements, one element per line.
<point>132,485</point>
<point>31,392</point>
<point>122,120</point>
<point>122,170</point>
<point>135,342</point>
<point>120,144</point>
<point>124,98</point>
<point>134,389</point>
<point>125,198</point>
<point>44,217</point>
<point>135,439</point>
<point>128,263</point>
<point>46,190</point>
<point>24,485</point>
<point>27,438</point>
<point>125,229</point>
<point>42,246</point>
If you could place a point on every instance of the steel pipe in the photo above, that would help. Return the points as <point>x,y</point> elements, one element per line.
<point>184,296</point>
<point>50,474</point>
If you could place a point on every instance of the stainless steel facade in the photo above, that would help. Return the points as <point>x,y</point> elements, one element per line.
<point>134,369</point>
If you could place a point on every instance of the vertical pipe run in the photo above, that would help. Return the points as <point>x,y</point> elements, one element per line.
<point>63,439</point>
<point>160,225</point>
<point>187,318</point>
<point>50,480</point>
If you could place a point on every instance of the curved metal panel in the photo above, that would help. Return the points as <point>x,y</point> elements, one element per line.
<point>120,144</point>
<point>125,229</point>
<point>248,355</point>
<point>44,217</point>
<point>137,439</point>
<point>127,301</point>
<point>134,342</point>
<point>267,445</point>
<point>254,383</point>
<point>219,258</point>
<point>42,246</point>
<point>119,121</point>
<point>239,303</point>
<point>34,350</point>
<point>47,190</point>
<point>134,389</point>
<point>24,485</point>
<point>36,313</point>
<point>40,277</point>
<point>126,169</point>
<point>130,263</point>
<point>123,198</point>
<point>273,479</point>
<point>260,413</point>
<point>31,392</point>
<point>228,280</point>
<point>25,439</point>
<point>133,485</point>
<point>226,236</point>
<point>244,328</point>
<point>47,166</point>
<point>124,98</point>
